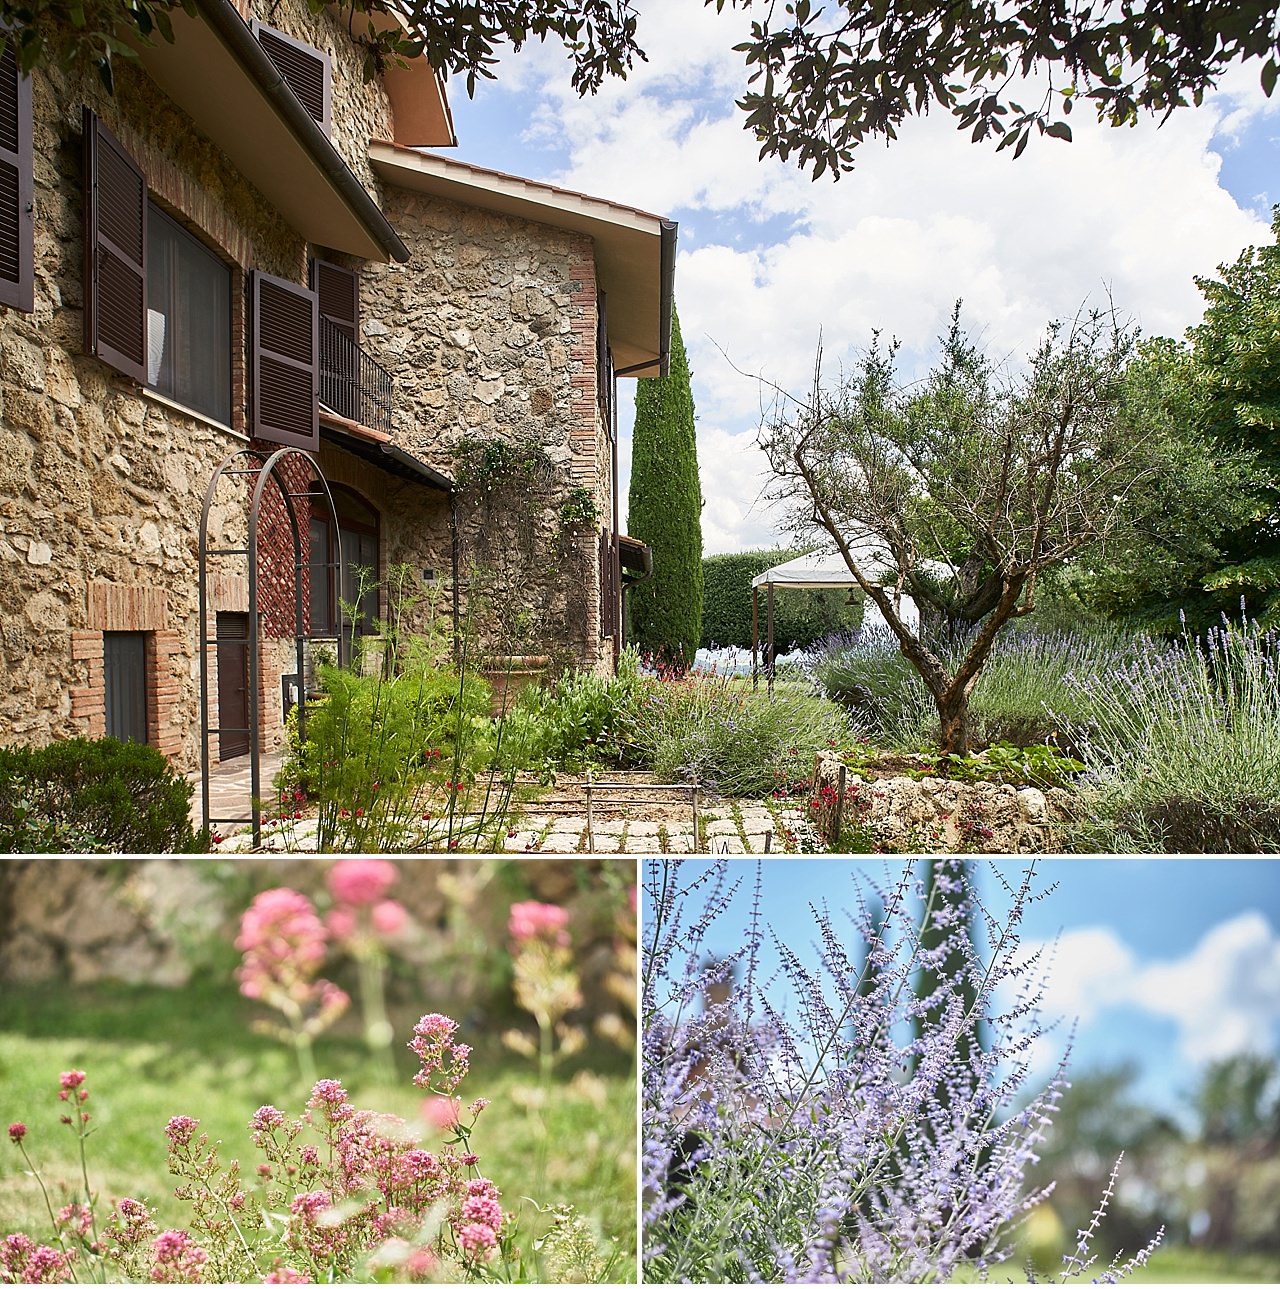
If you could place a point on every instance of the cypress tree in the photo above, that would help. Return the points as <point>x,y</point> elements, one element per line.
<point>664,510</point>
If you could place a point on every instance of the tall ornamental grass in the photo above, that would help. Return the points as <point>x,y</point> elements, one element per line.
<point>1185,748</point>
<point>717,731</point>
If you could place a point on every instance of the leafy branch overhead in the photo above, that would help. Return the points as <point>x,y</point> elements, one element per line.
<point>821,78</point>
<point>457,37</point>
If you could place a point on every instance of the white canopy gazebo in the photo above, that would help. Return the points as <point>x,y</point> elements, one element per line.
<point>819,571</point>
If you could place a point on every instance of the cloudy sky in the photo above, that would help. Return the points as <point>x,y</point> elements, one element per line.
<point>769,260</point>
<point>1168,963</point>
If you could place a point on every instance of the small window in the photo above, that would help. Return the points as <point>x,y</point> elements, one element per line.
<point>124,660</point>
<point>188,319</point>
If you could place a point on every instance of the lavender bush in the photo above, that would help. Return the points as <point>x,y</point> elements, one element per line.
<point>1185,748</point>
<point>879,1136</point>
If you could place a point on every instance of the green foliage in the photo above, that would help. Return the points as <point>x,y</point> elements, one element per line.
<point>93,795</point>
<point>393,763</point>
<point>583,719</point>
<point>801,617</point>
<point>664,510</point>
<point>823,80</point>
<point>455,36</point>
<point>718,732</point>
<point>1185,749</point>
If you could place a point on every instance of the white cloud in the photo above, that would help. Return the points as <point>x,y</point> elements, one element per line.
<point>1223,996</point>
<point>769,259</point>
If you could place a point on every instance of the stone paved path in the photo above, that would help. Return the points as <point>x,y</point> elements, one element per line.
<point>557,827</point>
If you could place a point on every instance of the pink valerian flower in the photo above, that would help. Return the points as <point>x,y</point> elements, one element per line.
<point>180,1129</point>
<point>433,1045</point>
<point>76,1218</point>
<point>284,945</point>
<point>361,881</point>
<point>283,1274</point>
<point>330,1097</point>
<point>533,920</point>
<point>132,1223</point>
<point>177,1259</point>
<point>388,917</point>
<point>16,1132</point>
<point>481,1204</point>
<point>477,1240</point>
<point>23,1261</point>
<point>442,1113</point>
<point>310,1229</point>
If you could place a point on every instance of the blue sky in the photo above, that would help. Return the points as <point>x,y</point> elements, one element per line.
<point>1168,963</point>
<point>769,260</point>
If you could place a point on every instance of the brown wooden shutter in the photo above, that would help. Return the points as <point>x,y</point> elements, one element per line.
<point>608,586</point>
<point>115,253</point>
<point>17,196</point>
<point>306,70</point>
<point>285,363</point>
<point>339,292</point>
<point>604,365</point>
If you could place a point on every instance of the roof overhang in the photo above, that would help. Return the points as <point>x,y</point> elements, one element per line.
<point>419,105</point>
<point>635,557</point>
<point>634,250</point>
<point>218,74</point>
<point>379,451</point>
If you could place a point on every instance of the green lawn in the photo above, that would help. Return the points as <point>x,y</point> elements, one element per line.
<point>152,1053</point>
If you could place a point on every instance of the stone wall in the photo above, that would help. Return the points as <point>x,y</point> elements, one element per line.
<point>942,816</point>
<point>101,483</point>
<point>151,921</point>
<point>490,333</point>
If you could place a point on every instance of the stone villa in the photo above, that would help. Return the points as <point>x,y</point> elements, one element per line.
<point>254,341</point>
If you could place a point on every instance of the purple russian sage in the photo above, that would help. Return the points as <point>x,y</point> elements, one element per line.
<point>879,1133</point>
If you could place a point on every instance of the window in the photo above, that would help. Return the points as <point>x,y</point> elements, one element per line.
<point>179,342</point>
<point>124,664</point>
<point>188,319</point>
<point>358,532</point>
<point>17,236</point>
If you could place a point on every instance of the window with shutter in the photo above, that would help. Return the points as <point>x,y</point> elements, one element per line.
<point>338,290</point>
<point>306,70</point>
<point>17,242</point>
<point>188,319</point>
<point>115,253</point>
<point>285,363</point>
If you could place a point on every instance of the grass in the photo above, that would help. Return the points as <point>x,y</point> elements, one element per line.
<point>1170,1265</point>
<point>152,1053</point>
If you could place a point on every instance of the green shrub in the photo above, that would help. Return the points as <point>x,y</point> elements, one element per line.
<point>800,617</point>
<point>718,732</point>
<point>384,754</point>
<point>581,719</point>
<point>97,795</point>
<point>1035,688</point>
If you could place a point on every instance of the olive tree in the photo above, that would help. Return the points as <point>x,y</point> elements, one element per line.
<point>961,491</point>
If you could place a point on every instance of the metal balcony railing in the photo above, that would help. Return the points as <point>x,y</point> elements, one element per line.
<point>351,384</point>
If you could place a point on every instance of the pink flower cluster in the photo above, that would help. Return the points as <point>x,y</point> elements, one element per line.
<point>23,1261</point>
<point>533,920</point>
<point>433,1045</point>
<point>359,887</point>
<point>284,945</point>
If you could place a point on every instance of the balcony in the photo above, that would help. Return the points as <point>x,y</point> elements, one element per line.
<point>352,385</point>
